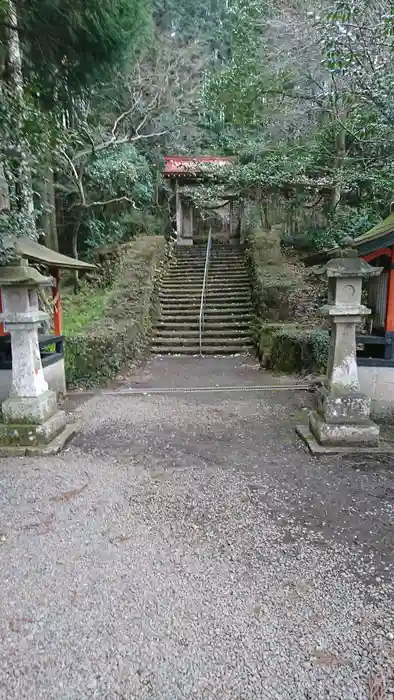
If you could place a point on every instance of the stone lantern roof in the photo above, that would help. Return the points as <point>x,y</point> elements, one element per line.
<point>18,273</point>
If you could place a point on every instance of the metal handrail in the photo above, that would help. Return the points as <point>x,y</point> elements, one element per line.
<point>207,259</point>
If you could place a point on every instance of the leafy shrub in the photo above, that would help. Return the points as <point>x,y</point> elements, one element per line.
<point>265,335</point>
<point>122,172</point>
<point>111,231</point>
<point>300,351</point>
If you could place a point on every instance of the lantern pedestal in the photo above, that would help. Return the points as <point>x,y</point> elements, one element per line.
<point>30,419</point>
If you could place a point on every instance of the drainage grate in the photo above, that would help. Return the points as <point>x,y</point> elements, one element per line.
<point>207,389</point>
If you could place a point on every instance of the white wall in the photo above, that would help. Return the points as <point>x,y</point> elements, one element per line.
<point>54,374</point>
<point>378,384</point>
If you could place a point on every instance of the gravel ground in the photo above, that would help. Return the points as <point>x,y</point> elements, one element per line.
<point>168,371</point>
<point>186,546</point>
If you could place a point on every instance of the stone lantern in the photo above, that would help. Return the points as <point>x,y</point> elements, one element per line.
<point>30,415</point>
<point>342,416</point>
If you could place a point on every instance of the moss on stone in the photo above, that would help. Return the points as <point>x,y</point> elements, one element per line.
<point>17,434</point>
<point>274,280</point>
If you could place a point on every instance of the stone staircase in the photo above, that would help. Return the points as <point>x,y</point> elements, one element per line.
<point>228,310</point>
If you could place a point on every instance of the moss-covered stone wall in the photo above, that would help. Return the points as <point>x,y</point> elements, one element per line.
<point>100,351</point>
<point>285,298</point>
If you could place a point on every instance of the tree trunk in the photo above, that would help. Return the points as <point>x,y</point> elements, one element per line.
<point>22,172</point>
<point>340,153</point>
<point>47,220</point>
<point>43,221</point>
<point>4,191</point>
<point>74,245</point>
<point>54,241</point>
<point>74,248</point>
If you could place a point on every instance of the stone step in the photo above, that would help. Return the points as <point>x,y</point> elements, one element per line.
<point>186,282</point>
<point>195,291</point>
<point>188,338</point>
<point>189,290</point>
<point>232,252</point>
<point>193,324</point>
<point>235,272</point>
<point>206,349</point>
<point>230,265</point>
<point>190,249</point>
<point>210,318</point>
<point>215,255</point>
<point>238,257</point>
<point>214,283</point>
<point>183,333</point>
<point>211,309</point>
<point>211,300</point>
<point>227,283</point>
<point>181,275</point>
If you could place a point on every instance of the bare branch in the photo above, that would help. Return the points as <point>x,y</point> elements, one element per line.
<point>120,119</point>
<point>115,200</point>
<point>100,147</point>
<point>76,177</point>
<point>148,136</point>
<point>118,142</point>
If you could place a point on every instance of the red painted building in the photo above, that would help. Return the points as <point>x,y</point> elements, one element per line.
<point>187,173</point>
<point>376,246</point>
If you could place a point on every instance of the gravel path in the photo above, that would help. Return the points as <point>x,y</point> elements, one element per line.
<point>186,546</point>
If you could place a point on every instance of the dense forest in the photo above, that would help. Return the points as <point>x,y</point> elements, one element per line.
<point>93,93</point>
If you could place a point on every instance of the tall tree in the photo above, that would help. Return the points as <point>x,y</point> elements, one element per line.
<point>54,51</point>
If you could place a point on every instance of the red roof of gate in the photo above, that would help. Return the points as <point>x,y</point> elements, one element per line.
<point>184,165</point>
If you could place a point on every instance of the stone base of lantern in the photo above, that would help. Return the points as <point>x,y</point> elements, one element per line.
<point>337,434</point>
<point>341,424</point>
<point>36,410</point>
<point>25,434</point>
<point>304,432</point>
<point>35,440</point>
<point>342,407</point>
<point>33,426</point>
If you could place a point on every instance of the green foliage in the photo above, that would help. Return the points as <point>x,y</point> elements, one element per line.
<point>122,181</point>
<point>71,43</point>
<point>300,351</point>
<point>315,121</point>
<point>112,176</point>
<point>302,99</point>
<point>265,334</point>
<point>119,228</point>
<point>120,173</point>
<point>60,50</point>
<point>344,222</point>
<point>101,234</point>
<point>187,20</point>
<point>233,90</point>
<point>119,329</point>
